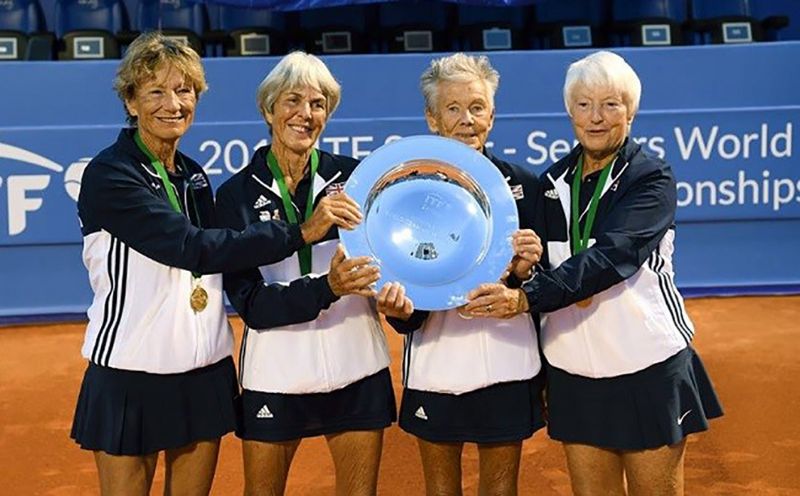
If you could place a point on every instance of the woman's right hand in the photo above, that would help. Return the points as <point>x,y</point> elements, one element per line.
<point>393,302</point>
<point>338,209</point>
<point>352,275</point>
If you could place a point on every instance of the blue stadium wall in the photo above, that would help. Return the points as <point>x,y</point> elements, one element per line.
<point>725,117</point>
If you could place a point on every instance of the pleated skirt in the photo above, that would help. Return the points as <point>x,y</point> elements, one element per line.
<point>500,413</point>
<point>657,406</point>
<point>367,404</point>
<point>123,412</point>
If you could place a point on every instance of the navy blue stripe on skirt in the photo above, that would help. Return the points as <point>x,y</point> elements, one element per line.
<point>657,406</point>
<point>500,413</point>
<point>125,412</point>
<point>366,404</point>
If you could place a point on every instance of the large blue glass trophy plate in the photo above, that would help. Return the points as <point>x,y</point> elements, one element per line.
<point>438,218</point>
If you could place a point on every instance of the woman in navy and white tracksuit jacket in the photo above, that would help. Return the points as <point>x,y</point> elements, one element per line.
<point>625,386</point>
<point>470,380</point>
<point>314,359</point>
<point>158,342</point>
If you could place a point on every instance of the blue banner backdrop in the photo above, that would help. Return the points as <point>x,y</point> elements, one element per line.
<point>723,117</point>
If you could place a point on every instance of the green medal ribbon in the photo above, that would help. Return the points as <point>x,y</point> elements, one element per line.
<point>304,254</point>
<point>580,243</point>
<point>162,173</point>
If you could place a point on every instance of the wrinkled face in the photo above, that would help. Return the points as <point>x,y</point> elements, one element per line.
<point>463,111</point>
<point>164,105</point>
<point>600,119</point>
<point>298,117</point>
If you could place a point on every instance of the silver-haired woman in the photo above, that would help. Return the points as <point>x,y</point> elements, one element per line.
<point>160,374</point>
<point>314,359</point>
<point>625,386</point>
<point>471,381</point>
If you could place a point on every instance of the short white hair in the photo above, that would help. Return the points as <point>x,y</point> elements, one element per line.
<point>606,69</point>
<point>458,67</point>
<point>296,70</point>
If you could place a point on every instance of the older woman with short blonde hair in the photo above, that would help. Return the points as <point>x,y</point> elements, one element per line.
<point>625,387</point>
<point>314,360</point>
<point>160,375</point>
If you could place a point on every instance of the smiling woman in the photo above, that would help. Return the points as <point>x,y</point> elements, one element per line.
<point>601,118</point>
<point>314,359</point>
<point>602,104</point>
<point>160,374</point>
<point>625,387</point>
<point>160,93</point>
<point>164,110</point>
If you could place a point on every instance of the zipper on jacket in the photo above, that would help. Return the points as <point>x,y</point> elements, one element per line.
<point>485,354</point>
<point>202,342</point>
<point>325,362</point>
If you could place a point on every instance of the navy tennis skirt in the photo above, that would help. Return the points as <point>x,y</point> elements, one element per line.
<point>657,406</point>
<point>500,413</point>
<point>124,412</point>
<point>367,404</point>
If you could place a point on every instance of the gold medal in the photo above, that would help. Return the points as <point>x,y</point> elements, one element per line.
<point>199,299</point>
<point>584,303</point>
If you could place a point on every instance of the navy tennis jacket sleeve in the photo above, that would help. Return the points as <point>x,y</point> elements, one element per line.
<point>117,199</point>
<point>625,237</point>
<point>265,305</point>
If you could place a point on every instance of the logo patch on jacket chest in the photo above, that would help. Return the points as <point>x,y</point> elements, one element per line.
<point>551,193</point>
<point>334,189</point>
<point>516,191</point>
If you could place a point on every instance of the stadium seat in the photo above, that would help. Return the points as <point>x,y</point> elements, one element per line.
<point>332,30</point>
<point>180,19</point>
<point>492,27</point>
<point>773,14</point>
<point>648,22</point>
<point>730,21</point>
<point>22,31</point>
<point>416,26</point>
<point>252,31</point>
<point>569,24</point>
<point>90,29</point>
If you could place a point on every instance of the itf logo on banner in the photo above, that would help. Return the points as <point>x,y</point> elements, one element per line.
<point>27,186</point>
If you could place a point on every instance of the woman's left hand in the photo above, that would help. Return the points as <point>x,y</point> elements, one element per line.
<point>527,252</point>
<point>495,301</point>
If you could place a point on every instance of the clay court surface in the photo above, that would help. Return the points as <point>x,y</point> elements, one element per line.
<point>751,347</point>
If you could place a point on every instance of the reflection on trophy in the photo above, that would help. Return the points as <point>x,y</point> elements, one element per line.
<point>437,218</point>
